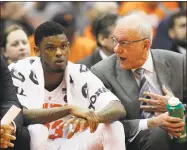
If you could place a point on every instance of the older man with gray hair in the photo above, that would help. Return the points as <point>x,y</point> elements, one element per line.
<point>135,69</point>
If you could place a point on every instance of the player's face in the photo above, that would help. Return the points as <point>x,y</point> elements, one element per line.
<point>54,52</point>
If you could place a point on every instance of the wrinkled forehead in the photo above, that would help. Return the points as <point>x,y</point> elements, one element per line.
<point>122,31</point>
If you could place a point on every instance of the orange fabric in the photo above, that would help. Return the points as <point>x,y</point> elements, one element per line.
<point>171,5</point>
<point>88,33</point>
<point>127,7</point>
<point>133,6</point>
<point>81,47</point>
<point>121,8</point>
<point>32,44</point>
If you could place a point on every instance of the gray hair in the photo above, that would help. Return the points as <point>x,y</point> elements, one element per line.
<point>137,22</point>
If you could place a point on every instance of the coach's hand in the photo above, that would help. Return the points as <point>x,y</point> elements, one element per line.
<point>156,103</point>
<point>172,124</point>
<point>89,115</point>
<point>6,136</point>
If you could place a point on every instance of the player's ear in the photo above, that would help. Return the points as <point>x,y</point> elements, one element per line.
<point>37,51</point>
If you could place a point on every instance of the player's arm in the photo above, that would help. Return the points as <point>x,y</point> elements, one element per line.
<point>106,105</point>
<point>111,112</point>
<point>43,116</point>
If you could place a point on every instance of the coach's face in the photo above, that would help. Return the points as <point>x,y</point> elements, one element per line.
<point>54,52</point>
<point>130,48</point>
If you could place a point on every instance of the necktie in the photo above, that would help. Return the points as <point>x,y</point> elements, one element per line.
<point>144,87</point>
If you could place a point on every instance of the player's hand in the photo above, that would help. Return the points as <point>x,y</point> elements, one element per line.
<point>172,124</point>
<point>156,103</point>
<point>6,136</point>
<point>76,125</point>
<point>89,115</point>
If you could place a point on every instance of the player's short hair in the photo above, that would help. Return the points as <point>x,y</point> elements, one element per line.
<point>46,29</point>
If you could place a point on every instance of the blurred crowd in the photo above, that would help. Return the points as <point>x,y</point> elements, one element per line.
<point>86,33</point>
<point>20,19</point>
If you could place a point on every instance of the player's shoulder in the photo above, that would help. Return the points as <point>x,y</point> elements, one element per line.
<point>23,63</point>
<point>77,68</point>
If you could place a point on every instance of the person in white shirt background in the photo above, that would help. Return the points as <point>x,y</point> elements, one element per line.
<point>53,83</point>
<point>103,29</point>
<point>177,31</point>
<point>15,44</point>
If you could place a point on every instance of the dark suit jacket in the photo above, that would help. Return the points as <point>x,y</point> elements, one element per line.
<point>92,59</point>
<point>8,98</point>
<point>162,39</point>
<point>169,67</point>
<point>8,93</point>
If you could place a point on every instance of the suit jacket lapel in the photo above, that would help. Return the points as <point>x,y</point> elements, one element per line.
<point>96,57</point>
<point>162,70</point>
<point>128,83</point>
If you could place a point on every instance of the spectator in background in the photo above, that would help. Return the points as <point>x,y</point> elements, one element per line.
<point>15,45</point>
<point>15,13</point>
<point>162,39</point>
<point>156,11</point>
<point>177,32</point>
<point>97,9</point>
<point>79,49</point>
<point>67,20</point>
<point>86,43</point>
<point>82,45</point>
<point>41,11</point>
<point>103,29</point>
<point>182,5</point>
<point>13,135</point>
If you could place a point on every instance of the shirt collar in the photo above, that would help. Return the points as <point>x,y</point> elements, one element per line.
<point>102,54</point>
<point>181,50</point>
<point>148,65</point>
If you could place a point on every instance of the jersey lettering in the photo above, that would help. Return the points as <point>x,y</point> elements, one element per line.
<point>55,127</point>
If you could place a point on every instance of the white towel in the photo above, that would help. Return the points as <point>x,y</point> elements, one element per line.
<point>84,89</point>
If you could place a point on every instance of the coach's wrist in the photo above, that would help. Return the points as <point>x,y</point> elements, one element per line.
<point>151,123</point>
